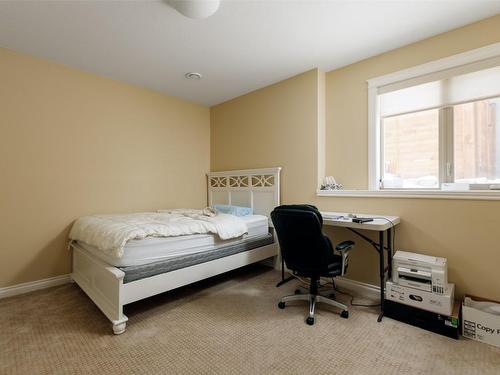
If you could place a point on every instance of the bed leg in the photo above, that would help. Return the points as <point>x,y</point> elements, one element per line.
<point>103,284</point>
<point>119,326</point>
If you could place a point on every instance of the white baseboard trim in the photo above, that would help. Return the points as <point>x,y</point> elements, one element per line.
<point>363,290</point>
<point>31,286</point>
<point>357,288</point>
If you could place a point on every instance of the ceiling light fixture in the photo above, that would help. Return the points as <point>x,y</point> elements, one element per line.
<point>197,9</point>
<point>193,75</point>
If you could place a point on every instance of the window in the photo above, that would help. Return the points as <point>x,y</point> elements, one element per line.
<point>476,142</point>
<point>411,150</point>
<point>441,130</point>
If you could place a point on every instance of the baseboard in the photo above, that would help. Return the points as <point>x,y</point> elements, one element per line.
<point>364,290</point>
<point>357,288</point>
<point>31,286</point>
<point>361,289</point>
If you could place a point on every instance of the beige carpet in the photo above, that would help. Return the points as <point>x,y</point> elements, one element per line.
<point>227,325</point>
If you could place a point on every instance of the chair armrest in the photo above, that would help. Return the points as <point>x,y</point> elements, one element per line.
<point>344,249</point>
<point>346,245</point>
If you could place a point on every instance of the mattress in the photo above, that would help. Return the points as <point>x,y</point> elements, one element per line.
<point>133,273</point>
<point>155,249</point>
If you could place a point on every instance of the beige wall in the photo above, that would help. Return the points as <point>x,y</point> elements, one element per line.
<point>347,99</point>
<point>73,144</point>
<point>275,126</point>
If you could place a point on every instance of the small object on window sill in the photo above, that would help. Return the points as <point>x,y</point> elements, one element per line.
<point>329,183</point>
<point>332,187</point>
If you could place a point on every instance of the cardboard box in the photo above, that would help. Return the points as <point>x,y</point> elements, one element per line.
<point>421,299</point>
<point>480,325</point>
<point>444,325</point>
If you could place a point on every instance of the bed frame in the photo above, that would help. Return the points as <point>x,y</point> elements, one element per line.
<point>256,188</point>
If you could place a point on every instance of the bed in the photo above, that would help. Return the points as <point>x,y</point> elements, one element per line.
<point>155,265</point>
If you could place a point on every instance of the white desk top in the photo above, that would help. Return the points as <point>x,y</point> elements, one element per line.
<point>379,223</point>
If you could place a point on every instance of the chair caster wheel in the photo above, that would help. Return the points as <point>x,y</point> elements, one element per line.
<point>281,305</point>
<point>297,291</point>
<point>344,314</point>
<point>310,321</point>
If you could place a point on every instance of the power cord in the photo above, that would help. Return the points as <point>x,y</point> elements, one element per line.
<point>393,226</point>
<point>373,243</point>
<point>351,302</point>
<point>306,285</point>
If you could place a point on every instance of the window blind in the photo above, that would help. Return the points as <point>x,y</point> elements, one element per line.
<point>466,83</point>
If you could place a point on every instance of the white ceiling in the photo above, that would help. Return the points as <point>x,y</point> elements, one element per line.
<point>244,46</point>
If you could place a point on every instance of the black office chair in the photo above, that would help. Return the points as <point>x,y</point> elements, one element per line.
<point>307,252</point>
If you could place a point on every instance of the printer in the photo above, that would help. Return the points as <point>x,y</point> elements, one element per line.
<point>420,271</point>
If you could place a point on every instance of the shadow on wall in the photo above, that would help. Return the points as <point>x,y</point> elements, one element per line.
<point>52,259</point>
<point>363,265</point>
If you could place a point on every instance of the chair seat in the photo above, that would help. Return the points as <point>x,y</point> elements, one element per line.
<point>334,267</point>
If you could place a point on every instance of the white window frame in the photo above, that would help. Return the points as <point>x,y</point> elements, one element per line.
<point>374,121</point>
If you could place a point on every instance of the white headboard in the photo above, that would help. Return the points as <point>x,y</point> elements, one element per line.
<point>256,188</point>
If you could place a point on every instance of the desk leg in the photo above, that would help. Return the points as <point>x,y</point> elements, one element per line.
<point>389,253</point>
<point>382,274</point>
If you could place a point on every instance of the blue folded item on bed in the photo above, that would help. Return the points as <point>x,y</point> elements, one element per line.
<point>233,210</point>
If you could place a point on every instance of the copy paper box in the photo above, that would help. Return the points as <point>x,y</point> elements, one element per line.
<point>480,325</point>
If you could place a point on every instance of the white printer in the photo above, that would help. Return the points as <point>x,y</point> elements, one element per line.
<point>420,271</point>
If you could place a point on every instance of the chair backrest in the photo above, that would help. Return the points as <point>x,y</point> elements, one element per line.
<point>304,248</point>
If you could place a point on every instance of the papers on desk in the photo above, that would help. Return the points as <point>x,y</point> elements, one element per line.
<point>337,217</point>
<point>347,219</point>
<point>377,223</point>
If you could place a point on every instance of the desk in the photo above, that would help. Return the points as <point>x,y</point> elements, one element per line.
<point>381,224</point>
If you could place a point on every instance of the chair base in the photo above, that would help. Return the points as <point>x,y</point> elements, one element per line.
<point>313,299</point>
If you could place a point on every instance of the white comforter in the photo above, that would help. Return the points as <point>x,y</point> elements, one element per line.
<point>110,233</point>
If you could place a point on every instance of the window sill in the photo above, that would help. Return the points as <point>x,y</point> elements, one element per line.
<point>425,194</point>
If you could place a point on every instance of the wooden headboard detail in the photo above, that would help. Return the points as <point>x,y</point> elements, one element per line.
<point>256,188</point>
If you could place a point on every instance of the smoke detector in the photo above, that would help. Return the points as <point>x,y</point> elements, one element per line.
<point>197,9</point>
<point>193,75</point>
